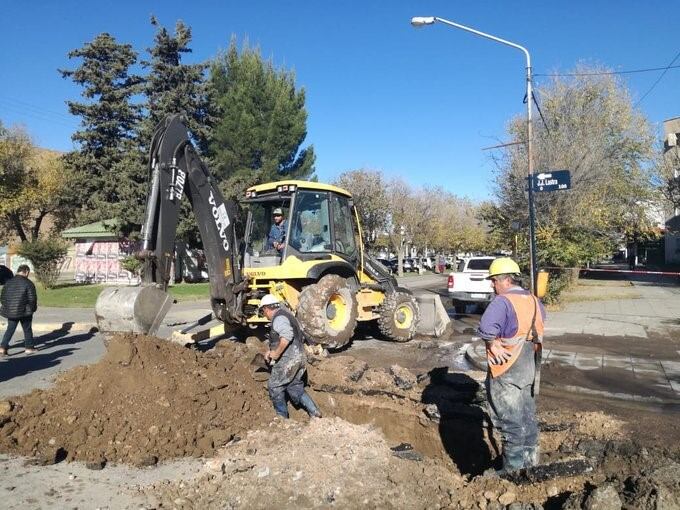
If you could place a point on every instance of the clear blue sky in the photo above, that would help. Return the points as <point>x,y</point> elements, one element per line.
<point>415,103</point>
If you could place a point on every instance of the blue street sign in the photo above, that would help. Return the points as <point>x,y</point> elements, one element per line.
<point>552,180</point>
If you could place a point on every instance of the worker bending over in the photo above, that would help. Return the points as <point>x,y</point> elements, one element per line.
<point>287,356</point>
<point>512,328</point>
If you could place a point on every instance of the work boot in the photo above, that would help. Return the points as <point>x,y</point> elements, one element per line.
<point>308,404</point>
<point>3,351</point>
<point>281,407</point>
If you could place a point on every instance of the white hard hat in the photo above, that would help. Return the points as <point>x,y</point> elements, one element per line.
<point>269,299</point>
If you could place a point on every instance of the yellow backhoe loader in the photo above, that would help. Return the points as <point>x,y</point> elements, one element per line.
<point>310,254</point>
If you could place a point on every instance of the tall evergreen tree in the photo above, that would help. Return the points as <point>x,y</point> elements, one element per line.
<point>109,118</point>
<point>261,122</point>
<point>176,87</point>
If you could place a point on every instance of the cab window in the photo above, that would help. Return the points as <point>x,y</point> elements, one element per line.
<point>343,221</point>
<point>310,230</point>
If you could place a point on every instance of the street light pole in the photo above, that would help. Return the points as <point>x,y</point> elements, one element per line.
<point>420,21</point>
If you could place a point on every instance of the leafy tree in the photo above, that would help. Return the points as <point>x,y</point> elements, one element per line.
<point>33,186</point>
<point>370,198</point>
<point>594,131</point>
<point>261,122</point>
<point>108,119</point>
<point>46,255</point>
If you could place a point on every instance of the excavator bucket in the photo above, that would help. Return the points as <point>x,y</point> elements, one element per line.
<point>131,309</point>
<point>433,316</point>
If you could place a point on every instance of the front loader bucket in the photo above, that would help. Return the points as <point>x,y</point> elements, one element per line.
<point>433,316</point>
<point>131,309</point>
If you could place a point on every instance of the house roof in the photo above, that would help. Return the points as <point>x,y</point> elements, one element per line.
<point>96,230</point>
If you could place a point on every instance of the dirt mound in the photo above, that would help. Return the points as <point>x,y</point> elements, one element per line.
<point>146,400</point>
<point>327,462</point>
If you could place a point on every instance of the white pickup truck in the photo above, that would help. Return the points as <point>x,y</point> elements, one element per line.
<point>468,283</point>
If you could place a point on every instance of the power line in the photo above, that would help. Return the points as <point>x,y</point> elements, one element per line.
<point>605,73</point>
<point>657,80</point>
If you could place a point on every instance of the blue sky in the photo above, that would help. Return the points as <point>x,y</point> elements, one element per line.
<point>415,103</point>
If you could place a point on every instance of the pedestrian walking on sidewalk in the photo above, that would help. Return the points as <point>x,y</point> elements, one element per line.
<point>18,303</point>
<point>287,357</point>
<point>512,327</point>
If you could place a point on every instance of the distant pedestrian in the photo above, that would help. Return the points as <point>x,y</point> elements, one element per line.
<point>512,328</point>
<point>287,355</point>
<point>18,303</point>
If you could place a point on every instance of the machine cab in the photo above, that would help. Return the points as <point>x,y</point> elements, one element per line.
<point>307,220</point>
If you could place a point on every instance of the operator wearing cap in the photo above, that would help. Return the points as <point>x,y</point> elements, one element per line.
<point>512,328</point>
<point>277,234</point>
<point>287,354</point>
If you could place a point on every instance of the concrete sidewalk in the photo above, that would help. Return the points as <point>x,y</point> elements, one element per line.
<point>650,309</point>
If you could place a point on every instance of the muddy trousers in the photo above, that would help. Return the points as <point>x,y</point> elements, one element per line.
<point>512,410</point>
<point>26,325</point>
<point>295,390</point>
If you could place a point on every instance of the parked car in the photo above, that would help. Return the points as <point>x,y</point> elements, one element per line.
<point>468,284</point>
<point>426,263</point>
<point>389,264</point>
<point>410,265</point>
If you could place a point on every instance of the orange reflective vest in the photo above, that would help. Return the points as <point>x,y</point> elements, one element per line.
<point>525,306</point>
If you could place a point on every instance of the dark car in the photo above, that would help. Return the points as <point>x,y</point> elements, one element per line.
<point>390,265</point>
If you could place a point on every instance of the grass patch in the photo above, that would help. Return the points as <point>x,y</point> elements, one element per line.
<point>579,298</point>
<point>82,295</point>
<point>69,295</point>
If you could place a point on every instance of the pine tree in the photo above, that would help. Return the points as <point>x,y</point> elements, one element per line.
<point>261,122</point>
<point>109,118</point>
<point>173,87</point>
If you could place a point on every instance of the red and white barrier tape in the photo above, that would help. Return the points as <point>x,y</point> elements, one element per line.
<point>631,271</point>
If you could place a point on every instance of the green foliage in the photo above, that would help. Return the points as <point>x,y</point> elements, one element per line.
<point>132,264</point>
<point>109,120</point>
<point>46,255</point>
<point>559,282</point>
<point>175,87</point>
<point>607,145</point>
<point>261,123</point>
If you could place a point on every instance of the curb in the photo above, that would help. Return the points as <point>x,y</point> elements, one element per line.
<point>49,327</point>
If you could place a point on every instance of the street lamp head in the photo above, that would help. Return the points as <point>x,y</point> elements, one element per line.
<point>421,21</point>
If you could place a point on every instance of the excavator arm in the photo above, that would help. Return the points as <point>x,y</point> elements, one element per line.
<point>177,170</point>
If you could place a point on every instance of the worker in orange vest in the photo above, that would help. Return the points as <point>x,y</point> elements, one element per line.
<point>512,328</point>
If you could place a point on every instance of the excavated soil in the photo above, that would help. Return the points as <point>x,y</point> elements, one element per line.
<point>389,438</point>
<point>145,401</point>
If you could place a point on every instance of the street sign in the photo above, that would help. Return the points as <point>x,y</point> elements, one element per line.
<point>552,181</point>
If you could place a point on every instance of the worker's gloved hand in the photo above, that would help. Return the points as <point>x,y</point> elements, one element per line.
<point>498,354</point>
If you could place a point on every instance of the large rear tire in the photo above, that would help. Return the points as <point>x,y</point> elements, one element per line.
<point>327,311</point>
<point>399,315</point>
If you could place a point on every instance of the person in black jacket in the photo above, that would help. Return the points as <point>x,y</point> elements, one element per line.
<point>18,303</point>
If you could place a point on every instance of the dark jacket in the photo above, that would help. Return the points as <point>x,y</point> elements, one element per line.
<point>6,274</point>
<point>18,298</point>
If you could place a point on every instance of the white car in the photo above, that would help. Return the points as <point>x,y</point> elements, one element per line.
<point>469,284</point>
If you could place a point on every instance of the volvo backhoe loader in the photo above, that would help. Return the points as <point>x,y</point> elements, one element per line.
<point>318,266</point>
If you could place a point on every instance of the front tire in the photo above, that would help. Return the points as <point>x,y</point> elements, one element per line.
<point>327,311</point>
<point>399,316</point>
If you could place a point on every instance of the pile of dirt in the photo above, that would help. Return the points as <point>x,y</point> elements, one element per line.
<point>145,401</point>
<point>327,462</point>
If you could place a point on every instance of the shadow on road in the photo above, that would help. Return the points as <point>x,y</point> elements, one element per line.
<point>20,364</point>
<point>464,425</point>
